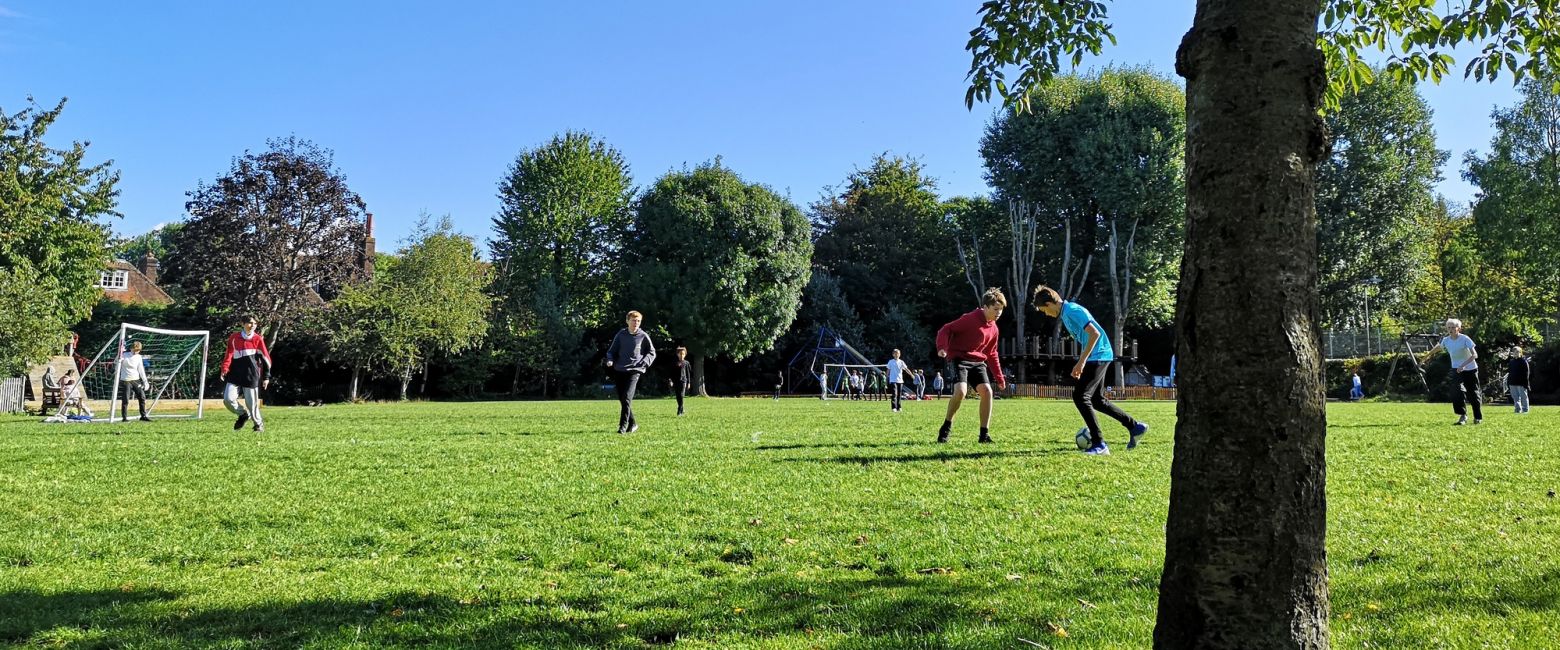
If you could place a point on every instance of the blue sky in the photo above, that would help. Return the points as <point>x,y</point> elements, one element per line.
<point>425,104</point>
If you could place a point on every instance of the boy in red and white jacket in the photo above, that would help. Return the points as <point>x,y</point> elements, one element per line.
<point>246,368</point>
<point>969,343</point>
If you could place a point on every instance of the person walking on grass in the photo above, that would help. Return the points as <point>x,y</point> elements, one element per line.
<point>680,378</point>
<point>920,384</point>
<point>246,369</point>
<point>969,344</point>
<point>1357,391</point>
<point>779,383</point>
<point>629,356</point>
<point>937,384</point>
<point>1094,358</point>
<point>1517,377</point>
<point>896,381</point>
<point>1465,370</point>
<point>132,378</point>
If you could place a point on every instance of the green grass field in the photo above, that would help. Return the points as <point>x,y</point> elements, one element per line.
<point>748,524</point>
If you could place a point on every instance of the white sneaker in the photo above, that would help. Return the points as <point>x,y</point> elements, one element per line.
<point>1461,420</point>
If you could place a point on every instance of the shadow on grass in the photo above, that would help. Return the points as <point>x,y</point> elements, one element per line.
<point>941,456</point>
<point>851,445</point>
<point>872,611</point>
<point>1403,602</point>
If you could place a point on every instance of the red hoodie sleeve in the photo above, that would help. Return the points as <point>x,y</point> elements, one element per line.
<point>944,333</point>
<point>993,363</point>
<point>265,353</point>
<point>227,357</point>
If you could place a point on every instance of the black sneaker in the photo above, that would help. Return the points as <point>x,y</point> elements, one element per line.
<point>942,433</point>
<point>985,439</point>
<point>145,419</point>
<point>633,428</point>
<point>242,418</point>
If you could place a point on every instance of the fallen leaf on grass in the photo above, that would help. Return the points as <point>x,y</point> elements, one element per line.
<point>621,625</point>
<point>755,522</point>
<point>1014,576</point>
<point>1085,604</point>
<point>937,570</point>
<point>1057,629</point>
<point>397,612</point>
<point>861,540</point>
<point>789,540</point>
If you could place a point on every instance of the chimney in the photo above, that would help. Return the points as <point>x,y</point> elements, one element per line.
<point>148,267</point>
<point>366,261</point>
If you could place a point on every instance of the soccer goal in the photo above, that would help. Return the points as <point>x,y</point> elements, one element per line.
<point>837,379</point>
<point>174,366</point>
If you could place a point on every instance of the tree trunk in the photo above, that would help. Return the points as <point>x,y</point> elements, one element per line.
<point>352,389</point>
<point>1245,556</point>
<point>422,389</point>
<point>698,375</point>
<point>406,379</point>
<point>514,381</point>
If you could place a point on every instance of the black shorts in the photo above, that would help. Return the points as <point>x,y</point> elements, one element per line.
<point>968,372</point>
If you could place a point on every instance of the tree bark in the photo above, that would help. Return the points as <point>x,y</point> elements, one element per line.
<point>352,390</point>
<point>406,379</point>
<point>1245,557</point>
<point>698,375</point>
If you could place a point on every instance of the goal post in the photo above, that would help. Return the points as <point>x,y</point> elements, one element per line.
<point>175,374</point>
<point>837,377</point>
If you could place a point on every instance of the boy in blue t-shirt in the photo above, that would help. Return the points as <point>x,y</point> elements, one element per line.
<point>1090,371</point>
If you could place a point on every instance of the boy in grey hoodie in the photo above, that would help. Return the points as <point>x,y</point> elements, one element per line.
<point>629,356</point>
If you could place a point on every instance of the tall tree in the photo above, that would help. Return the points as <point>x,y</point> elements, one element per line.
<point>1245,558</point>
<point>51,240</point>
<point>719,263</point>
<point>1370,193</point>
<point>1100,158</point>
<point>1516,215</point>
<point>559,234</point>
<point>884,235</point>
<point>430,302</point>
<point>981,234</point>
<point>273,237</point>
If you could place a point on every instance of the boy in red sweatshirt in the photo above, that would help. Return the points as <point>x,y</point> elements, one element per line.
<point>969,343</point>
<point>246,368</point>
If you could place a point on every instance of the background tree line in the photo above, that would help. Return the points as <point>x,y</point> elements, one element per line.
<point>1089,192</point>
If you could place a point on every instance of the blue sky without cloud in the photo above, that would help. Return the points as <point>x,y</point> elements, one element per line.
<point>425,104</point>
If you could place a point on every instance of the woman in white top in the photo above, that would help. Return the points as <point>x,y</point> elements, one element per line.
<point>132,377</point>
<point>1465,367</point>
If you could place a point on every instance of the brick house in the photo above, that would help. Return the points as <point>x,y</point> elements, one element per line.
<point>133,284</point>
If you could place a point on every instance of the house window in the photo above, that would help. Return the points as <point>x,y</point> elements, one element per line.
<point>114,280</point>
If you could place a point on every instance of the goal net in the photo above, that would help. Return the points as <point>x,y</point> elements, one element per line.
<point>174,364</point>
<point>847,380</point>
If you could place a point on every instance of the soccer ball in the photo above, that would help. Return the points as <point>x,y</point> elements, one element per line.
<point>1084,439</point>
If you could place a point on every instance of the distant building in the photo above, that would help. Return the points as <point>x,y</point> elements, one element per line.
<point>133,284</point>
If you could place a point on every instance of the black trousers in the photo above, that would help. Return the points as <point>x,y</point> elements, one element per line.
<point>893,392</point>
<point>125,387</point>
<point>681,390</point>
<point>1089,396</point>
<point>1467,389</point>
<point>627,382</point>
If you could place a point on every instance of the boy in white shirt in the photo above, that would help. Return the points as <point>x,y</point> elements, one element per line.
<point>132,377</point>
<point>896,380</point>
<point>1465,366</point>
